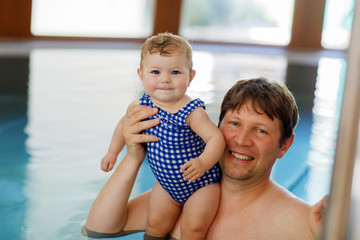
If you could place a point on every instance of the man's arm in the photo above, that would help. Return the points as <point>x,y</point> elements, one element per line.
<point>111,211</point>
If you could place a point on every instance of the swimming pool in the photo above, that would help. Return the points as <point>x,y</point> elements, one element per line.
<point>57,121</point>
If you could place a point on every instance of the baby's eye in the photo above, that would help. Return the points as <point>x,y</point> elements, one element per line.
<point>155,71</point>
<point>175,72</point>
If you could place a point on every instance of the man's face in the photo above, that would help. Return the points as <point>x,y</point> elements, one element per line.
<point>252,144</point>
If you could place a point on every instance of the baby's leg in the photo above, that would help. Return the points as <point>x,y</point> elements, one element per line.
<point>199,212</point>
<point>163,212</point>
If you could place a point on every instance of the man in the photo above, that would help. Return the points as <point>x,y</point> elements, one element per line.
<point>257,120</point>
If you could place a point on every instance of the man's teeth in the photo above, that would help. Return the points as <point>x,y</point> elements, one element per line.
<point>242,157</point>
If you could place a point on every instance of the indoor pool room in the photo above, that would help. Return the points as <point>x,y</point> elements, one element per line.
<point>58,126</point>
<point>62,94</point>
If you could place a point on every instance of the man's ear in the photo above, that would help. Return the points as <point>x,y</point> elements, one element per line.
<point>285,147</point>
<point>192,75</point>
<point>140,73</point>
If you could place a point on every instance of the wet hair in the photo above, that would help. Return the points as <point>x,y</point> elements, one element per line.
<point>166,44</point>
<point>270,97</point>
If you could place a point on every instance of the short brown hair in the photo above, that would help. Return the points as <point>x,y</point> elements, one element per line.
<point>272,98</point>
<point>165,44</point>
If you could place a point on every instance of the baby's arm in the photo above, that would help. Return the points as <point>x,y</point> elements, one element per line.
<point>116,145</point>
<point>201,124</point>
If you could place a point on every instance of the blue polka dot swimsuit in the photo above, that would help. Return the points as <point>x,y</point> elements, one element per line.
<point>177,144</point>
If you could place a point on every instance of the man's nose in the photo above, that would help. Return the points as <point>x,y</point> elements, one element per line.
<point>243,137</point>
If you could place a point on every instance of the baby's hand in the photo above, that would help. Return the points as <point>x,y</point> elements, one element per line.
<point>192,169</point>
<point>108,162</point>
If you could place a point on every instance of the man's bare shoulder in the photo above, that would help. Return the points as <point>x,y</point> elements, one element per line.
<point>286,198</point>
<point>291,211</point>
<point>276,215</point>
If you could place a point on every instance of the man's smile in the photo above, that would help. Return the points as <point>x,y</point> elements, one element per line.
<point>241,156</point>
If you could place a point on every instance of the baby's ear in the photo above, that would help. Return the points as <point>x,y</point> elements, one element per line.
<point>192,75</point>
<point>140,73</point>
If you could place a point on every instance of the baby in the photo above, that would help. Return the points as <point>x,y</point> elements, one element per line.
<point>185,159</point>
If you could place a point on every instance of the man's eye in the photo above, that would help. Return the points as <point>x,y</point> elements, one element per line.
<point>234,123</point>
<point>155,72</point>
<point>175,72</point>
<point>261,131</point>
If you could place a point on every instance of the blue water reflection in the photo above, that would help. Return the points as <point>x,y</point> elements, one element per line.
<point>326,116</point>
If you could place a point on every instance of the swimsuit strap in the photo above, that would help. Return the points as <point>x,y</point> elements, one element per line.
<point>179,116</point>
<point>145,100</point>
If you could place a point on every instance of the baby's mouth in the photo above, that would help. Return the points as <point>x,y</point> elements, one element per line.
<point>241,156</point>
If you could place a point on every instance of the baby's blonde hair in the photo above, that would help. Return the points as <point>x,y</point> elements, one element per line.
<point>166,44</point>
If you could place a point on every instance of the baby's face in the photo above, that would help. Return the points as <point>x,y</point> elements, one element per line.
<point>166,78</point>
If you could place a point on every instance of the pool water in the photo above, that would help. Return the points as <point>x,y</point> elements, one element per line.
<point>59,107</point>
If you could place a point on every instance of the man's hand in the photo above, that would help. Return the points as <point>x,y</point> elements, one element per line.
<point>317,217</point>
<point>133,125</point>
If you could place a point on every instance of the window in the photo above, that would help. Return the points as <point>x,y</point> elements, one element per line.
<point>258,21</point>
<point>92,18</point>
<point>337,24</point>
